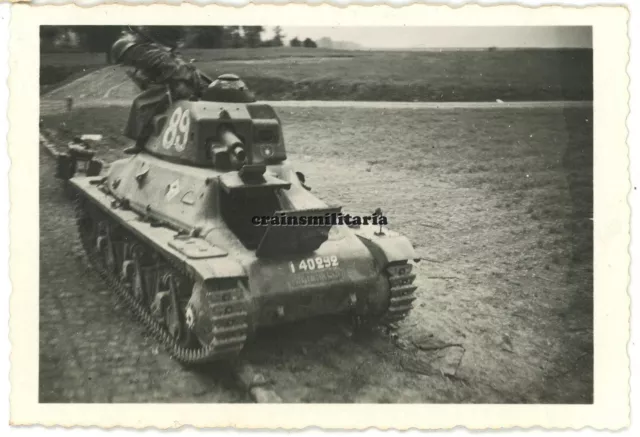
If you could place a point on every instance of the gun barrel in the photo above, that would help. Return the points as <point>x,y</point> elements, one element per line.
<point>232,143</point>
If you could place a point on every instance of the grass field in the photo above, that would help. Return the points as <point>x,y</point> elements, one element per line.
<point>499,204</point>
<point>57,69</point>
<point>316,74</point>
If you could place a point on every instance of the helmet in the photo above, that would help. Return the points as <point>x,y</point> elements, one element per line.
<point>120,47</point>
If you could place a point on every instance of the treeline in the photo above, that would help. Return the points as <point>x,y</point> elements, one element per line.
<point>100,38</point>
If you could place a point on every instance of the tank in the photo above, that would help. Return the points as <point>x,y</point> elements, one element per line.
<point>184,232</point>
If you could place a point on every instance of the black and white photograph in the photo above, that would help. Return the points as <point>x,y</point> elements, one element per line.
<point>319,214</point>
<point>473,145</point>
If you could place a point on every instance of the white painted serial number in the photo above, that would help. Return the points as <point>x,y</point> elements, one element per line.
<point>316,263</point>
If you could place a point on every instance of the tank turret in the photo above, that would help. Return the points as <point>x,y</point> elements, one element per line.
<point>225,129</point>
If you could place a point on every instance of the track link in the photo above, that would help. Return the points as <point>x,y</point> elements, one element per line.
<point>402,292</point>
<point>229,329</point>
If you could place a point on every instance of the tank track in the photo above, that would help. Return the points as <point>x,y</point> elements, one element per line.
<point>230,329</point>
<point>402,292</point>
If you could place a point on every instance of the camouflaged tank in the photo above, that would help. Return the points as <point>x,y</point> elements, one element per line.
<point>172,230</point>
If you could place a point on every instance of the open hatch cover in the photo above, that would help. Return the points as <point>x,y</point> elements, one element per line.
<point>283,239</point>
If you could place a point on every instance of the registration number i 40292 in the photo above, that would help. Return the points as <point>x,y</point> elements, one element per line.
<point>317,263</point>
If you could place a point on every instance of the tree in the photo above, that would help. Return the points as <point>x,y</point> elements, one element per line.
<point>295,42</point>
<point>233,37</point>
<point>278,36</point>
<point>309,43</point>
<point>166,35</point>
<point>48,36</point>
<point>252,35</point>
<point>205,37</point>
<point>97,38</point>
<point>325,43</point>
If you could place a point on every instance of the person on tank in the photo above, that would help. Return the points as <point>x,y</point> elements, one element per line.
<point>160,74</point>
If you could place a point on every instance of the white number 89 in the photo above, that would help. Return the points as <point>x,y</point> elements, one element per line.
<point>177,133</point>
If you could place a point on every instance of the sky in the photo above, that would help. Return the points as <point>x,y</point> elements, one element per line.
<point>450,37</point>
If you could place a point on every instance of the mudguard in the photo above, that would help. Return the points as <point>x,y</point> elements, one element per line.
<point>387,247</point>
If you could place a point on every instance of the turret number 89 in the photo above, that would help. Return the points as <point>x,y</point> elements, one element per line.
<point>318,262</point>
<point>177,132</point>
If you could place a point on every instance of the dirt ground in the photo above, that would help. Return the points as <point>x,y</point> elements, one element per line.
<point>497,202</point>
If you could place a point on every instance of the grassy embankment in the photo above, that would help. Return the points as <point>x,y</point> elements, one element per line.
<point>308,74</point>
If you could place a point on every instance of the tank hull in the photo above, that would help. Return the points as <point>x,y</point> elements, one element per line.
<point>225,290</point>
